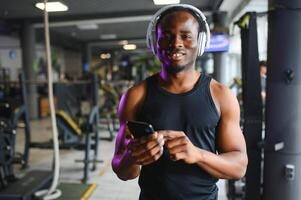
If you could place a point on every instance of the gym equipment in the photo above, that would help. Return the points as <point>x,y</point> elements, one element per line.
<point>250,187</point>
<point>4,76</point>
<point>12,188</point>
<point>108,107</point>
<point>14,109</point>
<point>7,144</point>
<point>24,188</point>
<point>84,137</point>
<point>68,129</point>
<point>282,156</point>
<point>273,173</point>
<point>203,37</point>
<point>70,134</point>
<point>252,106</point>
<point>70,138</point>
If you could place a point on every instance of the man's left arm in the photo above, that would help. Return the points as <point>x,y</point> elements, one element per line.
<point>231,161</point>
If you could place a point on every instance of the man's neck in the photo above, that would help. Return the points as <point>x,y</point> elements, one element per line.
<point>178,82</point>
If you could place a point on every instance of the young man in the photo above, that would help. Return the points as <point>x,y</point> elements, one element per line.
<point>197,137</point>
<point>263,78</point>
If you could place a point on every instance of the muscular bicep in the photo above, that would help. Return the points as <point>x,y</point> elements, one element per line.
<point>128,108</point>
<point>121,139</point>
<point>125,112</point>
<point>230,137</point>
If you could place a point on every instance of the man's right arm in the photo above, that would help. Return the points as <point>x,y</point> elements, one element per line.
<point>131,153</point>
<point>122,163</point>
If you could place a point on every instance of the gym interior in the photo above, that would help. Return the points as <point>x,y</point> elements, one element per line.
<point>96,50</point>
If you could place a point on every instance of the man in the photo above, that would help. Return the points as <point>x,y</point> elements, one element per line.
<point>263,78</point>
<point>197,137</point>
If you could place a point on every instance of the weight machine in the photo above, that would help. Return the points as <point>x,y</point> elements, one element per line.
<point>72,136</point>
<point>11,187</point>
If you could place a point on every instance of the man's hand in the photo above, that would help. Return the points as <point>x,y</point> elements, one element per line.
<point>147,149</point>
<point>180,147</point>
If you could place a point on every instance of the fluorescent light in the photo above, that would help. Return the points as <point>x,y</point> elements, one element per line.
<point>87,26</point>
<point>105,56</point>
<point>55,6</point>
<point>123,42</point>
<point>164,2</point>
<point>108,36</point>
<point>129,47</point>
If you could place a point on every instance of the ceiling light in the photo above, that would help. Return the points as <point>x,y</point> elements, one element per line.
<point>129,47</point>
<point>52,6</point>
<point>164,2</point>
<point>108,36</point>
<point>123,42</point>
<point>87,26</point>
<point>105,56</point>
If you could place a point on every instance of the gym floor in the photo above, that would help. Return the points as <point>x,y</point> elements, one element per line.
<point>109,187</point>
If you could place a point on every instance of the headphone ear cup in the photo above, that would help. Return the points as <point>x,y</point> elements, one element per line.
<point>154,42</point>
<point>202,42</point>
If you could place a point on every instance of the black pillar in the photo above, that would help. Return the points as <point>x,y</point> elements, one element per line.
<point>28,56</point>
<point>252,104</point>
<point>220,63</point>
<point>282,161</point>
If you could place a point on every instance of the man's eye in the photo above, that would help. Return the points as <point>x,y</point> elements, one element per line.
<point>186,36</point>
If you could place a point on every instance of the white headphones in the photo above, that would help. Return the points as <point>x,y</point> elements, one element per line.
<point>203,37</point>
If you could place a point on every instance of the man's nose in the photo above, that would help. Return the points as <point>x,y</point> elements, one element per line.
<point>176,41</point>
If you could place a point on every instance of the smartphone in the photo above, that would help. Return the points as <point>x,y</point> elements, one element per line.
<point>139,129</point>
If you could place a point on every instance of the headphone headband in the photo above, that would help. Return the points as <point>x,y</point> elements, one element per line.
<point>151,30</point>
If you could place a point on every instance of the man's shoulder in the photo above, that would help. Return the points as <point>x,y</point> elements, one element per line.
<point>224,97</point>
<point>131,101</point>
<point>135,95</point>
<point>221,92</point>
<point>218,88</point>
<point>137,89</point>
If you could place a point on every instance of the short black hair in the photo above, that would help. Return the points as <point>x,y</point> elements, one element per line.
<point>263,63</point>
<point>176,9</point>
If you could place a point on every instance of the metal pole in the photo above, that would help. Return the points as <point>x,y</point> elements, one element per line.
<point>282,161</point>
<point>28,56</point>
<point>95,84</point>
<point>26,120</point>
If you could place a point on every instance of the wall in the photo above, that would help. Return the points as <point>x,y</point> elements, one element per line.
<point>10,55</point>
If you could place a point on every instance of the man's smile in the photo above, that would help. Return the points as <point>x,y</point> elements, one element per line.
<point>176,55</point>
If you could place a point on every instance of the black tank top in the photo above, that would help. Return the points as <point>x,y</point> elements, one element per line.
<point>194,113</point>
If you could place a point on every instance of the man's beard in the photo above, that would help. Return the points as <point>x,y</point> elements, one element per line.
<point>174,69</point>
